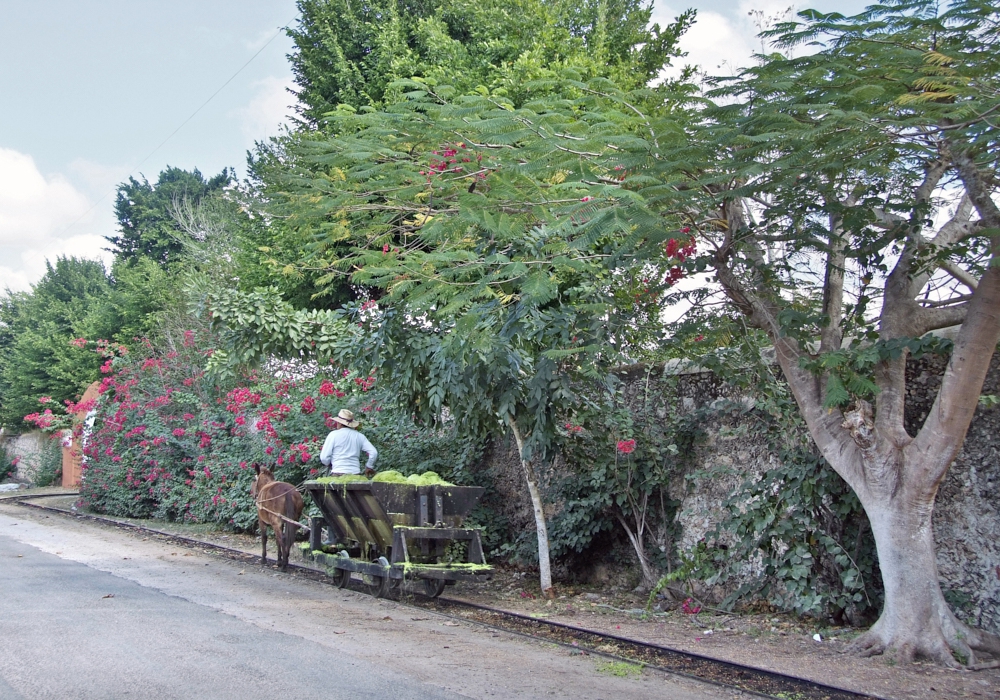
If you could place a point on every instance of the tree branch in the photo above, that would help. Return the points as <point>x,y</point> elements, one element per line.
<point>832,439</point>
<point>926,320</point>
<point>940,303</point>
<point>963,276</point>
<point>977,190</point>
<point>897,317</point>
<point>943,433</point>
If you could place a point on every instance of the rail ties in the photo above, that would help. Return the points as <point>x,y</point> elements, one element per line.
<point>726,674</point>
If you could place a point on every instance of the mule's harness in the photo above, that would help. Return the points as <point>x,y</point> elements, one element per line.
<point>257,502</point>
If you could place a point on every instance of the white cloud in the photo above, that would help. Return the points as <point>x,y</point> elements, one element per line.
<point>717,44</point>
<point>42,217</point>
<point>260,39</point>
<point>268,111</point>
<point>96,179</point>
<point>722,43</point>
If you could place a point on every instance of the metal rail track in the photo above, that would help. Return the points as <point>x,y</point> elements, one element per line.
<point>748,679</point>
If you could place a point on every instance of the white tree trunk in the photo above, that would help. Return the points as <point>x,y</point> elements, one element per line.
<point>916,621</point>
<point>544,565</point>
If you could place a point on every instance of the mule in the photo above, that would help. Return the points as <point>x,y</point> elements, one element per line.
<point>279,506</point>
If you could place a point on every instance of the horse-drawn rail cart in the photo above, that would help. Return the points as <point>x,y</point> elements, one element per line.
<point>391,534</point>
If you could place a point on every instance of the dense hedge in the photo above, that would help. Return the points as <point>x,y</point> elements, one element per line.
<point>169,442</point>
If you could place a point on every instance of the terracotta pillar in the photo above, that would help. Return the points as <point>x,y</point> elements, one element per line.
<point>70,460</point>
<point>72,447</point>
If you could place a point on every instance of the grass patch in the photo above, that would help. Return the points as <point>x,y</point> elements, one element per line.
<point>621,669</point>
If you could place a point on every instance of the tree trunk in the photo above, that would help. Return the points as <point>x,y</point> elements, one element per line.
<point>915,621</point>
<point>544,566</point>
<point>649,577</point>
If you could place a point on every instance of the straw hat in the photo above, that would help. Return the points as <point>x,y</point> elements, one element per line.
<point>346,418</point>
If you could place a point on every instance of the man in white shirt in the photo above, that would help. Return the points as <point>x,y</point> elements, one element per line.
<point>344,445</point>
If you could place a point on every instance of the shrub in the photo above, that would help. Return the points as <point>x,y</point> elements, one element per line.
<point>49,462</point>
<point>8,463</point>
<point>170,442</point>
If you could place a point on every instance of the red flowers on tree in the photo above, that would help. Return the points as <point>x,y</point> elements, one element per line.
<point>680,250</point>
<point>626,446</point>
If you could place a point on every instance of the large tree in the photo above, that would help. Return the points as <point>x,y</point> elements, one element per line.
<point>486,308</point>
<point>351,56</point>
<point>350,53</point>
<point>147,221</point>
<point>866,173</point>
<point>36,357</point>
<point>844,203</point>
<point>489,284</point>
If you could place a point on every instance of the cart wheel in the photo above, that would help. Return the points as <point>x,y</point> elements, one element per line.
<point>343,577</point>
<point>433,587</point>
<point>377,586</point>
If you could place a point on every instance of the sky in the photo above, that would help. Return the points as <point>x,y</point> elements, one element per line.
<point>95,91</point>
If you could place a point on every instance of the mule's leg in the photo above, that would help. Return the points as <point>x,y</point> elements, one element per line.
<point>289,538</point>
<point>279,539</point>
<point>263,542</point>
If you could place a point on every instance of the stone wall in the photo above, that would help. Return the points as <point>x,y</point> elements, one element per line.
<point>967,513</point>
<point>28,447</point>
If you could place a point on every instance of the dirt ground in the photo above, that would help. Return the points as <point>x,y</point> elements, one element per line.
<point>779,643</point>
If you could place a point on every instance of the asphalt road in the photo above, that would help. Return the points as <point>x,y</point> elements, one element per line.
<point>87,611</point>
<point>67,630</point>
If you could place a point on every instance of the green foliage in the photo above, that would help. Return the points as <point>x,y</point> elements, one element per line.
<point>8,463</point>
<point>142,290</point>
<point>694,564</point>
<point>147,224</point>
<point>809,534</point>
<point>169,441</point>
<point>490,281</point>
<point>352,53</point>
<point>345,62</point>
<point>36,357</point>
<point>258,325</point>
<point>622,452</point>
<point>49,462</point>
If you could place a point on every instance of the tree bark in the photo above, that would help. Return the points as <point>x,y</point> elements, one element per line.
<point>897,477</point>
<point>637,538</point>
<point>915,621</point>
<point>544,565</point>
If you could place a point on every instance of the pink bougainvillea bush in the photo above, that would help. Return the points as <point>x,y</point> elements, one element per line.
<point>169,442</point>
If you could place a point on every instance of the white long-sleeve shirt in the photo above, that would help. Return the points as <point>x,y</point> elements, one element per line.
<point>342,451</point>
